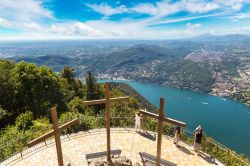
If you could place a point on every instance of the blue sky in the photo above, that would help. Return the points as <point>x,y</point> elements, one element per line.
<point>121,19</point>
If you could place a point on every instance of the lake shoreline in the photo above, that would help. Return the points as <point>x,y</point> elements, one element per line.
<point>183,88</point>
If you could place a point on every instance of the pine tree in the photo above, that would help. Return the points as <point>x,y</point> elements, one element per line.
<point>91,91</point>
<point>69,74</point>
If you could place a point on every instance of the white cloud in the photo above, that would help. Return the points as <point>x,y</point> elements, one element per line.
<point>181,19</point>
<point>107,10</point>
<point>32,26</point>
<point>191,26</point>
<point>167,7</point>
<point>61,29</point>
<point>161,8</point>
<point>242,30</point>
<point>196,6</point>
<point>101,29</point>
<point>23,10</point>
<point>137,30</point>
<point>26,15</point>
<point>147,8</point>
<point>4,23</point>
<point>74,28</point>
<point>241,16</point>
<point>233,4</point>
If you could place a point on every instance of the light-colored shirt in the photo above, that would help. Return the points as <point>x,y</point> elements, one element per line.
<point>138,119</point>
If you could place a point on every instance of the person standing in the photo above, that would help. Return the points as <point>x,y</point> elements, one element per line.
<point>197,140</point>
<point>177,135</point>
<point>138,121</point>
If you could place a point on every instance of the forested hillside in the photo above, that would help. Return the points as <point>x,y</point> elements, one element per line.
<point>27,88</point>
<point>27,92</point>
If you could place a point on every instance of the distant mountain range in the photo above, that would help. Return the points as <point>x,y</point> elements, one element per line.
<point>54,61</point>
<point>202,63</point>
<point>151,63</point>
<point>226,38</point>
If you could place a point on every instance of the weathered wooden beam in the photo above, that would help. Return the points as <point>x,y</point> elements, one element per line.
<point>160,130</point>
<point>150,114</point>
<point>70,123</point>
<point>41,138</point>
<point>107,109</point>
<point>52,133</point>
<point>175,122</point>
<point>103,101</point>
<point>57,136</point>
<point>118,99</point>
<point>166,119</point>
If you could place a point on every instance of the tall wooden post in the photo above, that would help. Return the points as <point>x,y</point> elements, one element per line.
<point>107,102</point>
<point>161,118</point>
<point>57,136</point>
<point>107,107</point>
<point>160,129</point>
<point>55,132</point>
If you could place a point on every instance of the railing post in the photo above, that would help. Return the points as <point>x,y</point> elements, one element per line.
<point>228,153</point>
<point>182,134</point>
<point>21,154</point>
<point>160,130</point>
<point>107,115</point>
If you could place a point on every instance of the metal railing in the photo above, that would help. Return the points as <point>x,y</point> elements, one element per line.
<point>209,146</point>
<point>214,149</point>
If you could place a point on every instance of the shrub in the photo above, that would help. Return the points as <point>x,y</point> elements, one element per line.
<point>24,121</point>
<point>77,104</point>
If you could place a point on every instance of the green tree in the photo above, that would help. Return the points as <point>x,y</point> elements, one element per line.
<point>69,74</point>
<point>38,88</point>
<point>133,103</point>
<point>24,121</point>
<point>65,89</point>
<point>8,100</point>
<point>72,87</point>
<point>4,114</point>
<point>77,104</point>
<point>92,88</point>
<point>79,88</point>
<point>93,91</point>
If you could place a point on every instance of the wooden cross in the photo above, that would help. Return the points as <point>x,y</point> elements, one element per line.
<point>107,101</point>
<point>161,118</point>
<point>55,132</point>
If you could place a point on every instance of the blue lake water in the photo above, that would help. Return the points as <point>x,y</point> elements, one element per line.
<point>227,121</point>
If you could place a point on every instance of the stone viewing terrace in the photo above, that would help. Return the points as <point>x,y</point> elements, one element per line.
<point>75,147</point>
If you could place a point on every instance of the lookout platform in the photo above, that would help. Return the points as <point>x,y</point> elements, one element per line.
<point>77,145</point>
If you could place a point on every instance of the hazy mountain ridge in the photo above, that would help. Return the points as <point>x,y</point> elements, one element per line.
<point>54,61</point>
<point>219,67</point>
<point>225,38</point>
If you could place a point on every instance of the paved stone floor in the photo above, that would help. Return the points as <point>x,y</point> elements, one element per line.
<point>131,143</point>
